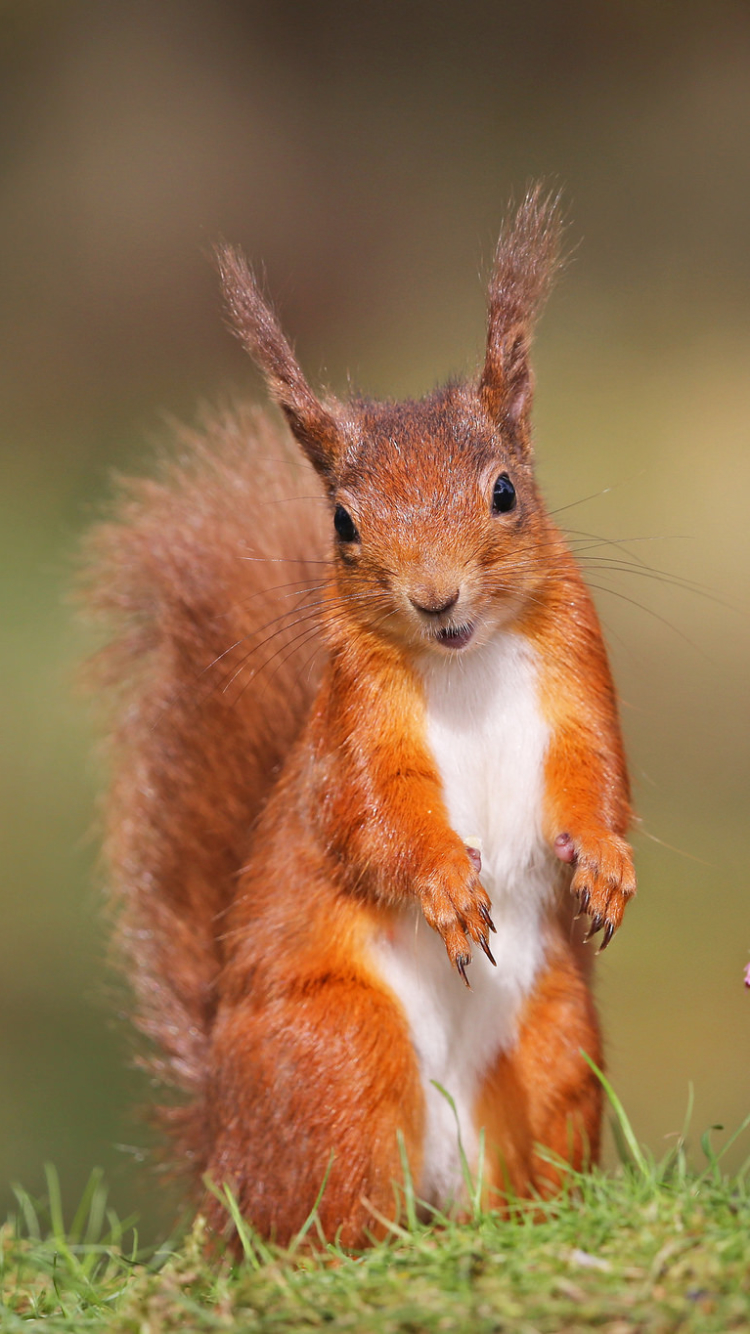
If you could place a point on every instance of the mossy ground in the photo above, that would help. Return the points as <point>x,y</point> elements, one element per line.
<point>653,1247</point>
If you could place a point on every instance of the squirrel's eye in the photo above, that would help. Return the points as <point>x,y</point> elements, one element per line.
<point>503,495</point>
<point>344,525</point>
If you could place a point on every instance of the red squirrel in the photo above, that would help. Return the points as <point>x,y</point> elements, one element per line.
<point>367,765</point>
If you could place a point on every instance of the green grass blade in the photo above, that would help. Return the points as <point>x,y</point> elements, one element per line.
<point>29,1213</point>
<point>465,1169</point>
<point>55,1202</point>
<point>82,1214</point>
<point>476,1200</point>
<point>623,1122</point>
<point>710,1154</point>
<point>681,1155</point>
<point>312,1217</point>
<point>57,1222</point>
<point>733,1137</point>
<point>410,1203</point>
<point>226,1197</point>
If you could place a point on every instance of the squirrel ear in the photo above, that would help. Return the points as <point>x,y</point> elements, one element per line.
<point>526,261</point>
<point>258,329</point>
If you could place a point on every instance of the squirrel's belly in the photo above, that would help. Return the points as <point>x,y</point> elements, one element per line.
<point>489,740</point>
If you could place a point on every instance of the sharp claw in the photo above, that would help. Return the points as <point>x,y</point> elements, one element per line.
<point>609,931</point>
<point>485,946</point>
<point>585,899</point>
<point>484,913</point>
<point>597,923</point>
<point>461,964</point>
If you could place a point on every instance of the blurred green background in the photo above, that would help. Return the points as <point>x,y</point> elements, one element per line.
<point>364,154</point>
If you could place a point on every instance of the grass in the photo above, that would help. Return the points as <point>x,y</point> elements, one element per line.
<point>654,1246</point>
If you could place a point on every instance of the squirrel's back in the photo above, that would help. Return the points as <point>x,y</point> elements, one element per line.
<point>208,579</point>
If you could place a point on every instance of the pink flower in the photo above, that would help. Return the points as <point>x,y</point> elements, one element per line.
<point>747,977</point>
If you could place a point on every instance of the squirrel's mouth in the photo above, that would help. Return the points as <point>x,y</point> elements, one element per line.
<point>454,636</point>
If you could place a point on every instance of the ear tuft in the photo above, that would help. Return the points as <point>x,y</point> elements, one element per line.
<point>526,261</point>
<point>255,323</point>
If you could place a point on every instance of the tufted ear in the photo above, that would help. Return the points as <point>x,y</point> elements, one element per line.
<point>258,329</point>
<point>526,261</point>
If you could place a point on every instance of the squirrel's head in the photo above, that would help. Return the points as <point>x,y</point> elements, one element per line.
<point>439,530</point>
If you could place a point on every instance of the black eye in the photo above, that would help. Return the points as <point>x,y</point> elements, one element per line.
<point>503,495</point>
<point>344,525</point>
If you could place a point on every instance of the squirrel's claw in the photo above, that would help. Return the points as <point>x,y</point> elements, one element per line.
<point>484,913</point>
<point>609,931</point>
<point>597,923</point>
<point>462,963</point>
<point>484,943</point>
<point>457,907</point>
<point>603,882</point>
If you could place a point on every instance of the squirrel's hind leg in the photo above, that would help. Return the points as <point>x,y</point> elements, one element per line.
<point>543,1092</point>
<point>315,1086</point>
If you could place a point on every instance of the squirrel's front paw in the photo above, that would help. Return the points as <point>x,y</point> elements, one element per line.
<point>603,880</point>
<point>457,907</point>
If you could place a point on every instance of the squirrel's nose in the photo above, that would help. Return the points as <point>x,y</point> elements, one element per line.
<point>433,604</point>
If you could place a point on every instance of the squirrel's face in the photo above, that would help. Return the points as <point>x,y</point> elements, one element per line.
<point>439,530</point>
<point>440,535</point>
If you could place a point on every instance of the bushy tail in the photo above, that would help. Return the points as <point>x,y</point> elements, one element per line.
<point>208,580</point>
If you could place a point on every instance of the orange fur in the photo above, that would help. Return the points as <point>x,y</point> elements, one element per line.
<point>588,793</point>
<point>276,806</point>
<point>543,1092</point>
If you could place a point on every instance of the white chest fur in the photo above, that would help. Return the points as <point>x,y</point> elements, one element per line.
<point>489,739</point>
